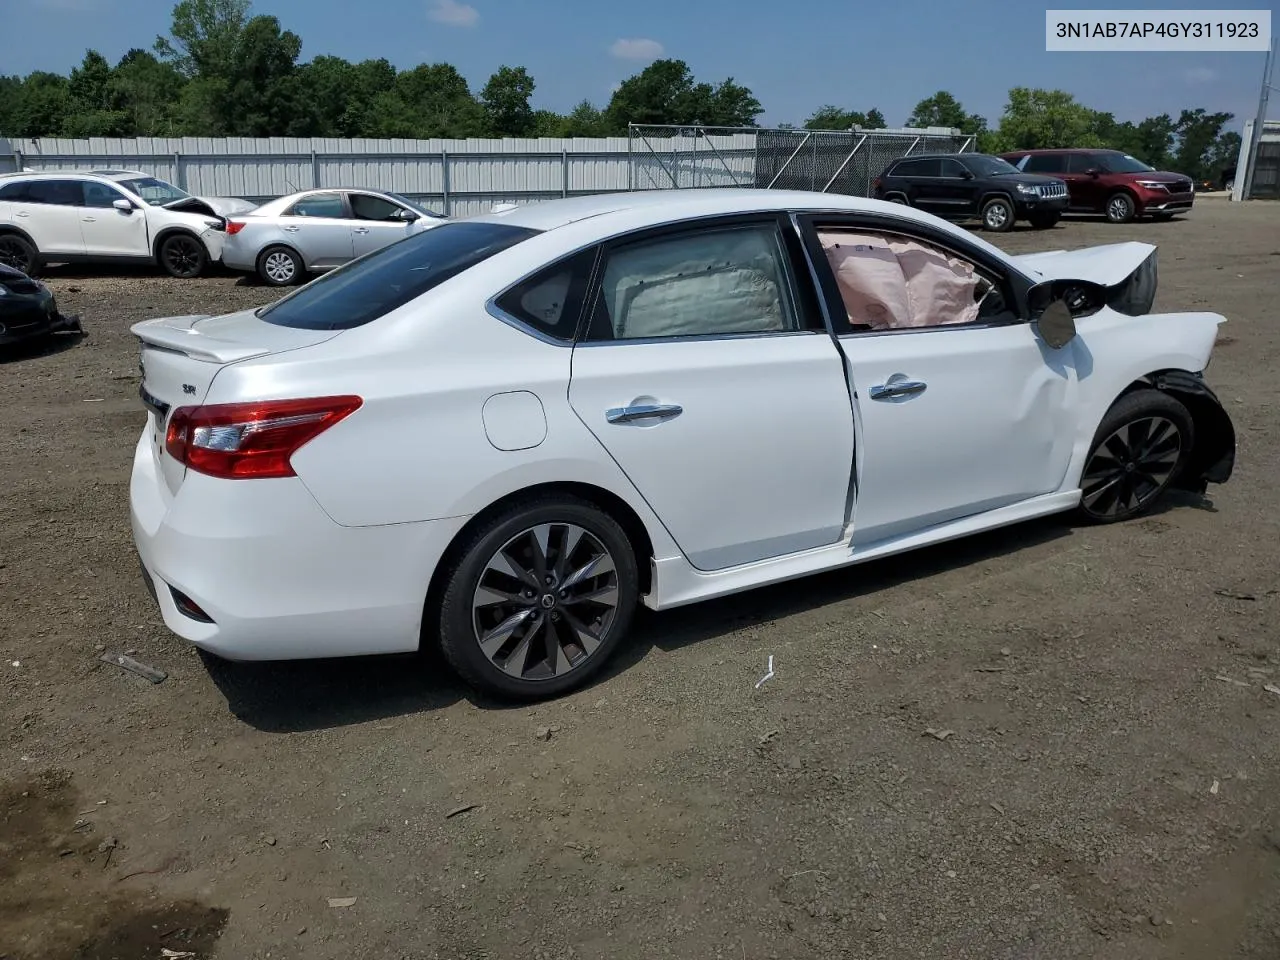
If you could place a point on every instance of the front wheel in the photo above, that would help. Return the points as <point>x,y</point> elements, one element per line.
<point>1139,449</point>
<point>1120,208</point>
<point>539,598</point>
<point>997,215</point>
<point>183,256</point>
<point>17,253</point>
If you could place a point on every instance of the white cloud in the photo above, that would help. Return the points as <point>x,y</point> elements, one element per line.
<point>1199,75</point>
<point>453,13</point>
<point>637,49</point>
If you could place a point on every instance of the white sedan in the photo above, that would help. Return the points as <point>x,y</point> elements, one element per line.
<point>504,433</point>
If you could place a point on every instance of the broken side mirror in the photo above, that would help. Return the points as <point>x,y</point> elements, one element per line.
<point>1055,306</point>
<point>1056,325</point>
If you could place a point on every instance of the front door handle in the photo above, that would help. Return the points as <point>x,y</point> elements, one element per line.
<point>290,228</point>
<point>897,386</point>
<point>360,230</point>
<point>644,411</point>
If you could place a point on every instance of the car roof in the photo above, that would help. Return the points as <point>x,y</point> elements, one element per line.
<point>1063,150</point>
<point>941,156</point>
<point>115,175</point>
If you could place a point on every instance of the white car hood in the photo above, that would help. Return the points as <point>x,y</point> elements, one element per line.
<point>1108,265</point>
<point>219,206</point>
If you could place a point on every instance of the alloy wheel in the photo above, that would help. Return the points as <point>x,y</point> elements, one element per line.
<point>182,256</point>
<point>545,601</point>
<point>1131,467</point>
<point>997,216</point>
<point>13,254</point>
<point>1119,208</point>
<point>279,266</point>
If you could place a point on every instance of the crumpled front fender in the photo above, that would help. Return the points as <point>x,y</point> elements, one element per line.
<point>1213,457</point>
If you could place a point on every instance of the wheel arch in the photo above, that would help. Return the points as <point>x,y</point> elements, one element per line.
<point>609,502</point>
<point>998,195</point>
<point>13,230</point>
<point>1129,192</point>
<point>166,232</point>
<point>1213,456</point>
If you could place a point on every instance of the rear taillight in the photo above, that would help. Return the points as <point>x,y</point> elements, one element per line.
<point>241,441</point>
<point>875,183</point>
<point>234,227</point>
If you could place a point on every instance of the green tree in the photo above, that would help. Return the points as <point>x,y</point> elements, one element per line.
<point>944,110</point>
<point>506,102</point>
<point>1045,119</point>
<point>203,36</point>
<point>1200,147</point>
<point>830,117</point>
<point>264,95</point>
<point>665,92</point>
<point>147,91</point>
<point>90,110</point>
<point>42,106</point>
<point>440,103</point>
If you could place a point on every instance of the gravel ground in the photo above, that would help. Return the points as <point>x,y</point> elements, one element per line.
<point>1100,780</point>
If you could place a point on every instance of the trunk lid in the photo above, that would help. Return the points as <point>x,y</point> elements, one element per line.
<point>180,356</point>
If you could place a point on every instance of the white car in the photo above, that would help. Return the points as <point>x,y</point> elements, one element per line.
<point>503,434</point>
<point>109,216</point>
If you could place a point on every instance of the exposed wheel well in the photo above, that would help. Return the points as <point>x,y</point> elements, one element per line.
<point>897,193</point>
<point>1213,455</point>
<point>610,503</point>
<point>168,232</point>
<point>995,195</point>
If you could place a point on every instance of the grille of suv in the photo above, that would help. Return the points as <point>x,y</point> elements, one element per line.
<point>1054,190</point>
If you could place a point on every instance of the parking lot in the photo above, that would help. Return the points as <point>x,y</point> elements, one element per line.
<point>1044,742</point>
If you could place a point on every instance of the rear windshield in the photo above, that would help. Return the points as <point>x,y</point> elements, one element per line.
<point>374,285</point>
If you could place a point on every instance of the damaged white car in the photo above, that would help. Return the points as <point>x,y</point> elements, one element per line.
<point>110,216</point>
<point>502,434</point>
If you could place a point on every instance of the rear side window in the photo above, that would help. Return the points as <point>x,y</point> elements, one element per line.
<point>906,168</point>
<point>372,286</point>
<point>1044,163</point>
<point>325,205</point>
<point>1082,163</point>
<point>64,193</point>
<point>551,301</point>
<point>13,192</point>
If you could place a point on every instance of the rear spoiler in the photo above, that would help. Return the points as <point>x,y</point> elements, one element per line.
<point>178,334</point>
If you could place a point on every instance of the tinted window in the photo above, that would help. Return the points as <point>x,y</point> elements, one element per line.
<point>551,301</point>
<point>372,286</point>
<point>1082,163</point>
<point>907,168</point>
<point>705,283</point>
<point>364,206</point>
<point>62,192</point>
<point>952,168</point>
<point>985,166</point>
<point>321,205</point>
<point>928,168</point>
<point>13,191</point>
<point>99,194</point>
<point>1044,163</point>
<point>1122,163</point>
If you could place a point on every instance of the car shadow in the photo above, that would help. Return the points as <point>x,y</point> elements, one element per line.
<point>45,346</point>
<point>306,695</point>
<point>106,271</point>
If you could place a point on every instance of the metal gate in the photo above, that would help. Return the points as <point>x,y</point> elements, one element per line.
<point>1266,172</point>
<point>829,161</point>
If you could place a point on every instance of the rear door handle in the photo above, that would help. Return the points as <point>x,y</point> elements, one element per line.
<point>897,386</point>
<point>644,411</point>
<point>90,220</point>
<point>360,230</point>
<point>290,228</point>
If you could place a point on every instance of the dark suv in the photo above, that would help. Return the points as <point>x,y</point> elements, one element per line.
<point>959,186</point>
<point>1110,182</point>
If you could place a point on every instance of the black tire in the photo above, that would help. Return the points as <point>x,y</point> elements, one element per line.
<point>545,647</point>
<point>1045,221</point>
<point>998,215</point>
<point>898,198</point>
<point>18,252</point>
<point>183,256</point>
<point>280,267</point>
<point>1120,207</point>
<point>1139,450</point>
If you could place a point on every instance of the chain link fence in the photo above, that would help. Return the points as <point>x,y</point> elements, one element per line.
<point>829,161</point>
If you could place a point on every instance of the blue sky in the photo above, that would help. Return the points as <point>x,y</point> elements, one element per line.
<point>795,56</point>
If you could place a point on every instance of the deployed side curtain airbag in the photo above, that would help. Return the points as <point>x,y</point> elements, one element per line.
<point>728,282</point>
<point>890,284</point>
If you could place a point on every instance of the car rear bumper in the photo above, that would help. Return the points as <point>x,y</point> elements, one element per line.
<point>238,256</point>
<point>255,570</point>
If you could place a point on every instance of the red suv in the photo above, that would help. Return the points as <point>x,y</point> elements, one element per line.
<point>1110,182</point>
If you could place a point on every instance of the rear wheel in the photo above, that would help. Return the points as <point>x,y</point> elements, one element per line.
<point>1044,221</point>
<point>18,253</point>
<point>1139,449</point>
<point>279,267</point>
<point>539,598</point>
<point>997,215</point>
<point>1120,208</point>
<point>183,256</point>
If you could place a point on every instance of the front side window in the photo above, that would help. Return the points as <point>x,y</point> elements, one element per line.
<point>1082,163</point>
<point>370,287</point>
<point>713,282</point>
<point>952,169</point>
<point>153,191</point>
<point>890,282</point>
<point>327,205</point>
<point>365,206</point>
<point>99,194</point>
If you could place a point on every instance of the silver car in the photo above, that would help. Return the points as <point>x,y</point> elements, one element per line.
<point>315,230</point>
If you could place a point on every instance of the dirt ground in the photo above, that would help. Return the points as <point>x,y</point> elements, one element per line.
<point>1101,780</point>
